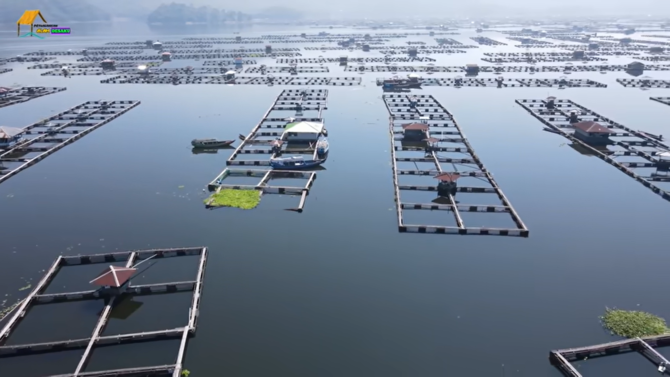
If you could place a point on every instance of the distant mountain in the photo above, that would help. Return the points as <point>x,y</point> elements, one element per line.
<point>54,11</point>
<point>280,14</point>
<point>176,13</point>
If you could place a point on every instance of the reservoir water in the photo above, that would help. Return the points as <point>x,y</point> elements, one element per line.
<point>336,290</point>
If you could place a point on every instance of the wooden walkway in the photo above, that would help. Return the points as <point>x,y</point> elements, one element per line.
<point>562,359</point>
<point>37,296</point>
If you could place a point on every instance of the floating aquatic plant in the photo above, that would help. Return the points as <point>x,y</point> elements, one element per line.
<point>185,373</point>
<point>633,324</point>
<point>244,199</point>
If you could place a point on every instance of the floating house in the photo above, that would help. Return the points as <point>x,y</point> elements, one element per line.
<point>447,184</point>
<point>663,160</point>
<point>550,103</point>
<point>303,132</point>
<point>579,54</point>
<point>149,43</point>
<point>471,69</point>
<point>592,133</point>
<point>166,56</point>
<point>230,75</point>
<point>656,49</point>
<point>413,78</point>
<point>238,38</point>
<point>366,47</point>
<point>142,69</point>
<point>157,45</point>
<point>413,51</point>
<point>238,61</point>
<point>107,64</point>
<point>9,136</point>
<point>268,49</point>
<point>594,46</point>
<point>635,67</point>
<point>344,59</point>
<point>415,131</point>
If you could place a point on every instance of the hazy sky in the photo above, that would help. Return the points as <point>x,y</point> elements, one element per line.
<point>398,8</point>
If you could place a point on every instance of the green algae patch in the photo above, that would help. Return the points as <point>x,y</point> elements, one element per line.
<point>633,324</point>
<point>243,199</point>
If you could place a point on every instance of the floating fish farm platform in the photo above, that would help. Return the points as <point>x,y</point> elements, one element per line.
<point>503,69</point>
<point>228,62</point>
<point>409,59</point>
<point>644,83</point>
<point>486,41</point>
<point>260,140</point>
<point>422,131</point>
<point>112,297</point>
<point>500,82</point>
<point>5,70</point>
<point>19,95</point>
<point>43,138</point>
<point>263,70</point>
<point>239,80</point>
<point>663,100</point>
<point>595,135</point>
<point>562,359</point>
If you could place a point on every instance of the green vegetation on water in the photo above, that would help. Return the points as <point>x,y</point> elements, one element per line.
<point>633,324</point>
<point>244,199</point>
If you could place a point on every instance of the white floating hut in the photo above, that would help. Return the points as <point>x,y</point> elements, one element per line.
<point>303,132</point>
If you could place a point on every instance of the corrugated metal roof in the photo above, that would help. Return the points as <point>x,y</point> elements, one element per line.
<point>592,127</point>
<point>29,16</point>
<point>7,132</point>
<point>415,126</point>
<point>114,276</point>
<point>447,177</point>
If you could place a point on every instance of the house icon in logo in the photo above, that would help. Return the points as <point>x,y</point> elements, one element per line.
<point>28,18</point>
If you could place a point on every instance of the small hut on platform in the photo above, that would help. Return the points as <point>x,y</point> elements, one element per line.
<point>415,131</point>
<point>114,278</point>
<point>593,133</point>
<point>447,184</point>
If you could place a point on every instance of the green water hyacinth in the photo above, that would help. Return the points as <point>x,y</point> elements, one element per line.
<point>243,199</point>
<point>633,324</point>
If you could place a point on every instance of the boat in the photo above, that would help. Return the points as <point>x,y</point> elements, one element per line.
<point>210,143</point>
<point>294,163</point>
<point>322,148</point>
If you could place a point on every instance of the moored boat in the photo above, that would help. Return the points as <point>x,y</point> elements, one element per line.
<point>210,143</point>
<point>294,163</point>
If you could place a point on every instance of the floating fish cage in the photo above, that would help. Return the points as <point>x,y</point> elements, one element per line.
<point>287,69</point>
<point>264,185</point>
<point>507,69</point>
<point>116,296</point>
<point>5,70</point>
<point>260,140</point>
<point>424,132</point>
<point>595,135</point>
<point>500,82</point>
<point>264,139</point>
<point>663,100</point>
<point>26,93</point>
<point>229,63</point>
<point>562,359</point>
<point>355,60</point>
<point>42,138</point>
<point>238,80</point>
<point>644,83</point>
<point>486,41</point>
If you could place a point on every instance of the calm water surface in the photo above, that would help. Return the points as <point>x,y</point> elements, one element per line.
<point>336,290</point>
